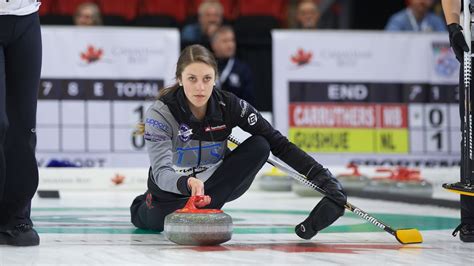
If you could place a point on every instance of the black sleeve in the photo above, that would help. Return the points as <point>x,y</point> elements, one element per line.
<point>250,120</point>
<point>182,185</point>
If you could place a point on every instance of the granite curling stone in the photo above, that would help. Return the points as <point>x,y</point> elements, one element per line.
<point>275,180</point>
<point>401,181</point>
<point>198,227</point>
<point>353,182</point>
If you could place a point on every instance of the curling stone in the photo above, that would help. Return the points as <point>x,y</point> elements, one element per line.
<point>381,184</point>
<point>353,181</point>
<point>198,227</point>
<point>411,183</point>
<point>420,188</point>
<point>275,180</point>
<point>401,181</point>
<point>378,186</point>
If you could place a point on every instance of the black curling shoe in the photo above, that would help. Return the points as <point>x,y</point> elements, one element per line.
<point>466,232</point>
<point>21,235</point>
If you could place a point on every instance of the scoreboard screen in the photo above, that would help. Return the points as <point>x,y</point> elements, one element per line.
<point>374,118</point>
<point>96,85</point>
<point>368,97</point>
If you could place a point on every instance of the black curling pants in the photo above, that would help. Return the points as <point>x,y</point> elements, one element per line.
<point>20,68</point>
<point>467,202</point>
<point>228,182</point>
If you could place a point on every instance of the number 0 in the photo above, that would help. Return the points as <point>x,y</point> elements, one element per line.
<point>436,117</point>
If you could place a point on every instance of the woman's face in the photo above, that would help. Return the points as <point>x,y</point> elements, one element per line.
<point>198,81</point>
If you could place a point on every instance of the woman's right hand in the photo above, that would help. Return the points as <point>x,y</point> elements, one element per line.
<point>196,186</point>
<point>197,189</point>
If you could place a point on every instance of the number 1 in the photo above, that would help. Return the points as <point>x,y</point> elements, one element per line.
<point>437,138</point>
<point>138,141</point>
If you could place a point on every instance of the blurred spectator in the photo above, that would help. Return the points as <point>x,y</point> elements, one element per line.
<point>416,17</point>
<point>88,14</point>
<point>234,75</point>
<point>307,15</point>
<point>210,16</point>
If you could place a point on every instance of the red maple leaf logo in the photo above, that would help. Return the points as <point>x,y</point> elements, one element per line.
<point>92,54</point>
<point>118,179</point>
<point>301,57</point>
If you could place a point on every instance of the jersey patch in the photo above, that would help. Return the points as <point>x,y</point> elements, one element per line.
<point>243,108</point>
<point>252,119</point>
<point>210,154</point>
<point>185,132</point>
<point>215,128</point>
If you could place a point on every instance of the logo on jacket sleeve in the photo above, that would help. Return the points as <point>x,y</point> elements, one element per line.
<point>156,124</point>
<point>243,108</point>
<point>215,128</point>
<point>152,137</point>
<point>185,132</point>
<point>252,119</point>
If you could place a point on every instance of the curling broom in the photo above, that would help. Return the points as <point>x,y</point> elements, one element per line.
<point>466,186</point>
<point>404,236</point>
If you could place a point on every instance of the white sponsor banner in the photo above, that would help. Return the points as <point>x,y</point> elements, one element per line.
<point>323,74</point>
<point>96,85</point>
<point>65,179</point>
<point>135,179</point>
<point>109,52</point>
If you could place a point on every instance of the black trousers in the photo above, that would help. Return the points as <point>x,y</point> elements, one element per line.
<point>227,183</point>
<point>20,68</point>
<point>467,202</point>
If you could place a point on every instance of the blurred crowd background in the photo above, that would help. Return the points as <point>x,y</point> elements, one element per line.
<point>249,23</point>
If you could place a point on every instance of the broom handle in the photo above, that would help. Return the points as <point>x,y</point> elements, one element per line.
<point>301,178</point>
<point>467,63</point>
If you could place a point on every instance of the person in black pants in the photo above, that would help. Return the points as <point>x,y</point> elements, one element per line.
<point>20,67</point>
<point>452,10</point>
<point>186,133</point>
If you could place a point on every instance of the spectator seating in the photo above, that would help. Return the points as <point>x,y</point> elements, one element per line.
<point>161,13</point>
<point>118,13</point>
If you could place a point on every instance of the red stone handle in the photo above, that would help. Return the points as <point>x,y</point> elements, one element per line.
<point>190,206</point>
